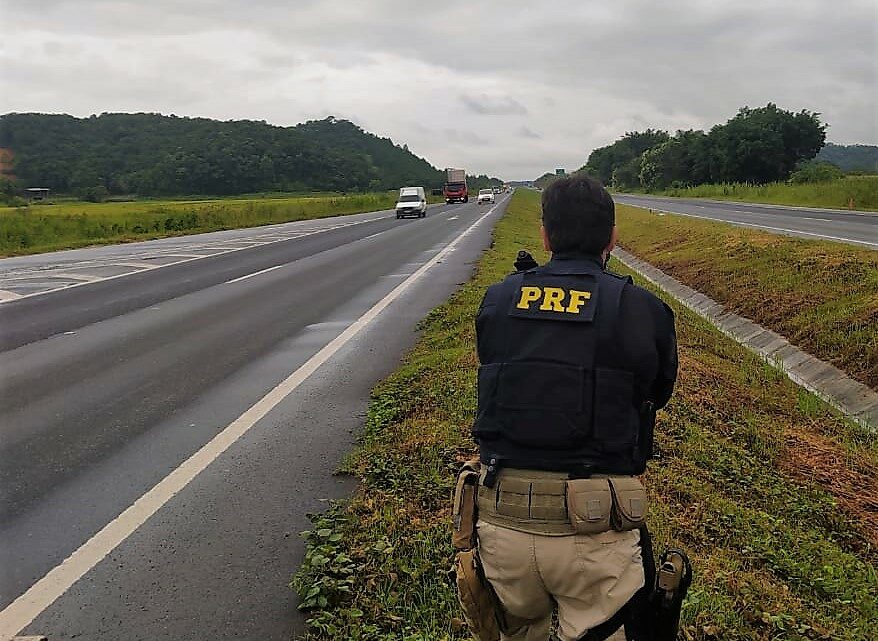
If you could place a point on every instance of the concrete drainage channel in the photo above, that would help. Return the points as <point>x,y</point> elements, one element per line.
<point>851,397</point>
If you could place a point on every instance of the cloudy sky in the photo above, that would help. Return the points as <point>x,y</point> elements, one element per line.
<point>504,87</point>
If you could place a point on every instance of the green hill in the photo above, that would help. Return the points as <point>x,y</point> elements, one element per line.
<point>156,155</point>
<point>851,157</point>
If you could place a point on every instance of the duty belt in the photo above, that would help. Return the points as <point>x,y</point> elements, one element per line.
<point>539,502</point>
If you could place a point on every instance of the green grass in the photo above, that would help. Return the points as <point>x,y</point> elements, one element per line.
<point>823,296</point>
<point>855,192</point>
<point>42,228</point>
<point>779,533</point>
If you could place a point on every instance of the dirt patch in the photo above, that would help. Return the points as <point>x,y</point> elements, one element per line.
<point>853,483</point>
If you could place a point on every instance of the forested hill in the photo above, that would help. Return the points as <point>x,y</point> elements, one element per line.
<point>153,155</point>
<point>851,157</point>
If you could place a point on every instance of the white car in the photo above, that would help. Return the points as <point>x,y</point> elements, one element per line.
<point>486,196</point>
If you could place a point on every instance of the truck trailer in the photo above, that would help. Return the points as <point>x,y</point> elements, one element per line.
<point>455,189</point>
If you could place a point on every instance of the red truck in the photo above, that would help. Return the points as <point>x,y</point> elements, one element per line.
<point>455,189</point>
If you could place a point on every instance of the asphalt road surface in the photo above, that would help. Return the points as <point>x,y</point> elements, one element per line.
<point>170,412</point>
<point>857,228</point>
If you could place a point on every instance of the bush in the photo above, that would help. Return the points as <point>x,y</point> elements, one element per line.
<point>96,194</point>
<point>816,172</point>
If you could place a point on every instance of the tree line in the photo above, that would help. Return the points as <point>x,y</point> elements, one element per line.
<point>757,146</point>
<point>156,155</point>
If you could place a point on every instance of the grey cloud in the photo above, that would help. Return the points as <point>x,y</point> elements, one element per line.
<point>583,72</point>
<point>467,137</point>
<point>493,106</point>
<point>526,132</point>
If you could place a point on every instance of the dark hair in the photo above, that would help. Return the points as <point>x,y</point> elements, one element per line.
<point>579,215</point>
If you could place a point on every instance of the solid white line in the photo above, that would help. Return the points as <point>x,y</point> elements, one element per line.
<point>21,612</point>
<point>80,277</point>
<point>261,271</point>
<point>137,265</point>
<point>756,226</point>
<point>5,294</point>
<point>849,212</point>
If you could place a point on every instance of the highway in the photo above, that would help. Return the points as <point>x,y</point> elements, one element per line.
<point>856,228</point>
<point>170,411</point>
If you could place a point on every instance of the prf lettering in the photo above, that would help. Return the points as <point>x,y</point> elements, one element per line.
<point>553,299</point>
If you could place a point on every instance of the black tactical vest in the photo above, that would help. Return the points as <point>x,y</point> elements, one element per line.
<point>543,401</point>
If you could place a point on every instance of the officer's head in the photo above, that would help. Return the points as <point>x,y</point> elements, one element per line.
<point>578,216</point>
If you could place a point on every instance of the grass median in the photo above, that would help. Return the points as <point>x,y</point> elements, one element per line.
<point>43,228</point>
<point>776,499</point>
<point>821,295</point>
<point>850,192</point>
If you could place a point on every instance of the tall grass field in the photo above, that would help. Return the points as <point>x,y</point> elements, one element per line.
<point>773,494</point>
<point>850,192</point>
<point>42,228</point>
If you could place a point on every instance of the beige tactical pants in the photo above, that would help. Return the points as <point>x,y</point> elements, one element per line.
<point>587,577</point>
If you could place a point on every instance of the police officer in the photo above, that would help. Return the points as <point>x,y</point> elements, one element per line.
<point>575,361</point>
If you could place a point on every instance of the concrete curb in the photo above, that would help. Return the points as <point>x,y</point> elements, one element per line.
<point>851,397</point>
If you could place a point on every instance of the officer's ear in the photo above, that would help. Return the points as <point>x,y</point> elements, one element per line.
<point>614,236</point>
<point>545,237</point>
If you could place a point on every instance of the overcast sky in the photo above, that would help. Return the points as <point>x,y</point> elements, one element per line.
<point>503,87</point>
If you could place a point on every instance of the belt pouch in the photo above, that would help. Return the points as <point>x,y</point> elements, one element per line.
<point>589,503</point>
<point>513,498</point>
<point>629,502</point>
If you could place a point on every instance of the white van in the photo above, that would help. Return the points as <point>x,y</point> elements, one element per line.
<point>412,202</point>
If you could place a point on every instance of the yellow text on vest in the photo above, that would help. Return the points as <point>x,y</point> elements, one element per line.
<point>553,299</point>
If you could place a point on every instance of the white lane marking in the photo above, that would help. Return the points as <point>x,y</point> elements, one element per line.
<point>21,612</point>
<point>454,218</point>
<point>180,262</point>
<point>7,295</point>
<point>373,235</point>
<point>82,277</point>
<point>261,271</point>
<point>655,199</point>
<point>825,220</point>
<point>783,229</point>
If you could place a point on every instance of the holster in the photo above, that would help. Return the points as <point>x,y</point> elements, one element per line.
<point>463,512</point>
<point>672,581</point>
<point>481,608</point>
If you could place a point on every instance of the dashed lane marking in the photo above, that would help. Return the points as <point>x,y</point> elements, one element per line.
<point>21,612</point>
<point>187,255</point>
<point>261,271</point>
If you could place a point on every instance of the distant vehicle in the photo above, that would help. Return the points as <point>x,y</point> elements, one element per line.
<point>412,202</point>
<point>497,190</point>
<point>455,189</point>
<point>486,196</point>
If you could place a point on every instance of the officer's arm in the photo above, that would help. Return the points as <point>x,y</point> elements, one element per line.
<point>666,342</point>
<point>486,311</point>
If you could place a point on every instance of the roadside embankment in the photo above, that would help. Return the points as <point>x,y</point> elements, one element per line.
<point>774,495</point>
<point>854,192</point>
<point>822,296</point>
<point>43,228</point>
